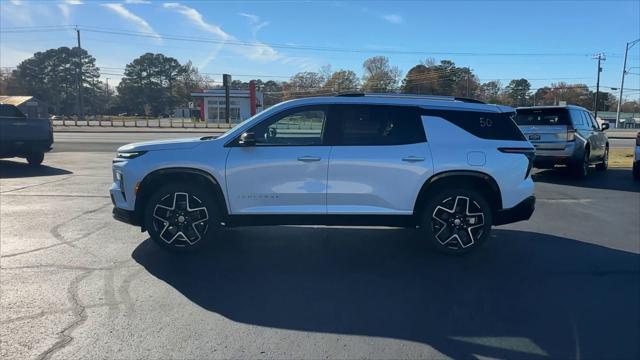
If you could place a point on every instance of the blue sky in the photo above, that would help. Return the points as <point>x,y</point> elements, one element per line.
<point>491,32</point>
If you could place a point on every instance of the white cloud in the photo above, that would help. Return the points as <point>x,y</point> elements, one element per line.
<point>254,21</point>
<point>393,18</point>
<point>256,51</point>
<point>73,2</point>
<point>139,22</point>
<point>17,2</point>
<point>252,18</point>
<point>66,12</point>
<point>197,19</point>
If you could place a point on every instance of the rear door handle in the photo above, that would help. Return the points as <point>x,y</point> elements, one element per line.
<point>412,159</point>
<point>309,158</point>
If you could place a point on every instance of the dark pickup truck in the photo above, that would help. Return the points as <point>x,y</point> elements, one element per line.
<point>23,137</point>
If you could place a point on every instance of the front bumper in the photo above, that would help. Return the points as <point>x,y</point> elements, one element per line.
<point>520,212</point>
<point>126,216</point>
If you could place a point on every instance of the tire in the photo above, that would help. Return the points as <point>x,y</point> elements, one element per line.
<point>446,222</point>
<point>604,165</point>
<point>581,168</point>
<point>35,159</point>
<point>181,216</point>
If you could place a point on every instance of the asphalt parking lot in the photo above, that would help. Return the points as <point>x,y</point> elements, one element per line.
<point>77,284</point>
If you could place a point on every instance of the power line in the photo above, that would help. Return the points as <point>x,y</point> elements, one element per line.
<point>112,31</point>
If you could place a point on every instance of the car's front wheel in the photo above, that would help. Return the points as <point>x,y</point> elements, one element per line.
<point>181,216</point>
<point>456,221</point>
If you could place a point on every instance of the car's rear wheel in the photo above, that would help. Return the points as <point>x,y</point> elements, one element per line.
<point>181,216</point>
<point>35,159</point>
<point>604,165</point>
<point>581,168</point>
<point>456,221</point>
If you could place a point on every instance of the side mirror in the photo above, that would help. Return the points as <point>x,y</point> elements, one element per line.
<point>247,139</point>
<point>605,126</point>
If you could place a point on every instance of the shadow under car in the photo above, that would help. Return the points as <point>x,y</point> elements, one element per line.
<point>523,295</point>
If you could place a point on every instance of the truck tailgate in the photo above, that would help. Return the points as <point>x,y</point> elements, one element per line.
<point>546,137</point>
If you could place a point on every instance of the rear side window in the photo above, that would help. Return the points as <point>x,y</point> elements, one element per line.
<point>10,111</point>
<point>485,125</point>
<point>377,125</point>
<point>577,118</point>
<point>542,117</point>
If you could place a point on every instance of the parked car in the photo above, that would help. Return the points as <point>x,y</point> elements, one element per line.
<point>565,135</point>
<point>636,159</point>
<point>55,117</point>
<point>451,167</point>
<point>23,137</point>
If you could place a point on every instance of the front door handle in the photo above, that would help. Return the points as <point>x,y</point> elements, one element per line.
<point>309,158</point>
<point>412,159</point>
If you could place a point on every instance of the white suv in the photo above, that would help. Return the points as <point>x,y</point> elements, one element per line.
<point>448,166</point>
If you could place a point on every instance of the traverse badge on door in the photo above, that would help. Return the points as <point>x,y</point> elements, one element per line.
<point>534,137</point>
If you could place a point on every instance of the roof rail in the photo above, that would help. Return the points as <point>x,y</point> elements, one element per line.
<point>412,96</point>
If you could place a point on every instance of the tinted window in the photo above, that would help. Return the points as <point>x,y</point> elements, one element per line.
<point>10,111</point>
<point>592,122</point>
<point>377,125</point>
<point>577,118</point>
<point>551,116</point>
<point>302,126</point>
<point>494,126</point>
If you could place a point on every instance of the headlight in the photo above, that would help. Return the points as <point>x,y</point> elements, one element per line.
<point>130,155</point>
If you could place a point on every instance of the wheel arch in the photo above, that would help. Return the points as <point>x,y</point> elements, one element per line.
<point>165,175</point>
<point>482,182</point>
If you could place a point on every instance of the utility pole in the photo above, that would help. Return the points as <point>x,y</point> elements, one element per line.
<point>624,72</point>
<point>108,96</point>
<point>79,77</point>
<point>226,82</point>
<point>600,57</point>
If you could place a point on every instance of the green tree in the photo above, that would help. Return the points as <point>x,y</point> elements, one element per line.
<point>149,84</point>
<point>517,92</point>
<point>342,80</point>
<point>444,78</point>
<point>490,91</point>
<point>51,76</point>
<point>379,75</point>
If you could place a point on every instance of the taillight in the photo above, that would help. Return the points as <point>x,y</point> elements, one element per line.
<point>528,152</point>
<point>571,135</point>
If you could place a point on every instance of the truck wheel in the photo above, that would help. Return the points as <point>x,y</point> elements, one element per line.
<point>456,221</point>
<point>181,216</point>
<point>604,165</point>
<point>35,159</point>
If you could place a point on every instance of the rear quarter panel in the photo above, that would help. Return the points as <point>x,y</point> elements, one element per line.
<point>453,148</point>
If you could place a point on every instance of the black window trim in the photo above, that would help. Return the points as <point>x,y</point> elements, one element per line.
<point>443,113</point>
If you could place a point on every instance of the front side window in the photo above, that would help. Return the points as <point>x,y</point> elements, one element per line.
<point>297,127</point>
<point>378,125</point>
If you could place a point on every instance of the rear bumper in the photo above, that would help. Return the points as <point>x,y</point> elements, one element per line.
<point>11,148</point>
<point>520,212</point>
<point>549,157</point>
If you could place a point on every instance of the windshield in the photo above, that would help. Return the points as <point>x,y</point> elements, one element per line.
<point>542,117</point>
